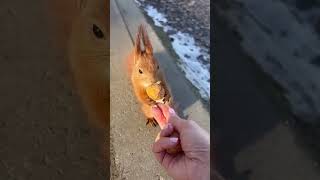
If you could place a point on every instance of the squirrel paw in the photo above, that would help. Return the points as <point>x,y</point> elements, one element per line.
<point>151,121</point>
<point>151,102</point>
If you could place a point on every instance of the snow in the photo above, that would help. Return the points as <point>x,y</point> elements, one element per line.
<point>188,52</point>
<point>138,3</point>
<point>158,18</point>
<point>196,72</point>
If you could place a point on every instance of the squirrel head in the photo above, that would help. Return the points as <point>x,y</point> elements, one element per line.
<point>145,68</point>
<point>90,31</point>
<point>89,57</point>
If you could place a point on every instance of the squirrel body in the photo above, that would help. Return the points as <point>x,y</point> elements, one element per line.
<point>144,71</point>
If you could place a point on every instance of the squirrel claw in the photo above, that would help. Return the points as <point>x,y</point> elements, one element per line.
<point>152,121</point>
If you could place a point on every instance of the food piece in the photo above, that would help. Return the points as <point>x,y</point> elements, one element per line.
<point>156,92</point>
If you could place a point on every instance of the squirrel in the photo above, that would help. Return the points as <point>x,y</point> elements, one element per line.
<point>144,71</point>
<point>89,59</point>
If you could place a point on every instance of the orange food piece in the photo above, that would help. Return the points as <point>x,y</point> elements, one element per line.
<point>156,92</point>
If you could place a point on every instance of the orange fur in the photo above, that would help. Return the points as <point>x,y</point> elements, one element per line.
<point>89,59</point>
<point>144,60</point>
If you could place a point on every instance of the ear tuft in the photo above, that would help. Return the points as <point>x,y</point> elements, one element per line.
<point>146,40</point>
<point>137,45</point>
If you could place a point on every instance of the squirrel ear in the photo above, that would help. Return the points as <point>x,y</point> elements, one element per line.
<point>137,45</point>
<point>146,40</point>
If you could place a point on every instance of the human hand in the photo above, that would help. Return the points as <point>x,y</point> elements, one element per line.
<point>194,160</point>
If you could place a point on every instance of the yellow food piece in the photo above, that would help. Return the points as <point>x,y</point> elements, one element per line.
<point>156,92</point>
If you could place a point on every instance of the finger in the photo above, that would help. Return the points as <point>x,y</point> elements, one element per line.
<point>164,143</point>
<point>157,114</point>
<point>167,130</point>
<point>175,120</point>
<point>157,138</point>
<point>165,109</point>
<point>161,145</point>
<point>171,117</point>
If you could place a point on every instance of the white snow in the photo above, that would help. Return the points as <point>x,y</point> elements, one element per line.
<point>187,50</point>
<point>138,3</point>
<point>198,74</point>
<point>158,18</point>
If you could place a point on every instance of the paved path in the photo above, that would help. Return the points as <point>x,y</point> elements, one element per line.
<point>131,140</point>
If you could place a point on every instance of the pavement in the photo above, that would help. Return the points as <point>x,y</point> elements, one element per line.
<point>131,139</point>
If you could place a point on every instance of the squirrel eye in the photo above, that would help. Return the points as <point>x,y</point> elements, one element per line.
<point>158,67</point>
<point>140,71</point>
<point>97,31</point>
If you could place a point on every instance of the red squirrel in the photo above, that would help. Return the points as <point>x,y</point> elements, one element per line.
<point>144,71</point>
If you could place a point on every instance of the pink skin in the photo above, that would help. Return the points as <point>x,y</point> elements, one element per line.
<point>161,116</point>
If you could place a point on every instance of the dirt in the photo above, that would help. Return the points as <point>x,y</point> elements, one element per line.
<point>44,131</point>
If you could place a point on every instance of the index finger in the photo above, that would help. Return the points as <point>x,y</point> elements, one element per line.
<point>171,117</point>
<point>158,115</point>
<point>165,110</point>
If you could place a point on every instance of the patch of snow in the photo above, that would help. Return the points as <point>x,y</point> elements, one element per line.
<point>189,53</point>
<point>196,72</point>
<point>158,18</point>
<point>137,2</point>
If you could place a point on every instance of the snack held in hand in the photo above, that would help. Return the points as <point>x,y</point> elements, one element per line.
<point>156,92</point>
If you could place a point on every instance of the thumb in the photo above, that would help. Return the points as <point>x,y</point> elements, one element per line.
<point>158,115</point>
<point>175,120</point>
<point>171,117</point>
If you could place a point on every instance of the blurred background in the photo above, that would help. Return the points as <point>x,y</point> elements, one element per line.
<point>266,105</point>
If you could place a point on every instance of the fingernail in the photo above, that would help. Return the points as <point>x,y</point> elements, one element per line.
<point>171,111</point>
<point>173,140</point>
